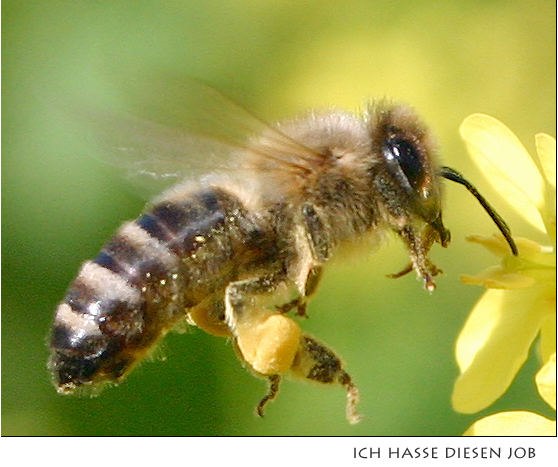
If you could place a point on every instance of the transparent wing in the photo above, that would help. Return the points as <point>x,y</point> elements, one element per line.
<point>174,129</point>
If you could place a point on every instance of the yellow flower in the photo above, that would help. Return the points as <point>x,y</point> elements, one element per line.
<point>520,303</point>
<point>523,423</point>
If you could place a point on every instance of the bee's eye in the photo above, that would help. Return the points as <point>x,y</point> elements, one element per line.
<point>407,157</point>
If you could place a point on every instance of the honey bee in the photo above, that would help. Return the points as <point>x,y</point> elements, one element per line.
<point>235,251</point>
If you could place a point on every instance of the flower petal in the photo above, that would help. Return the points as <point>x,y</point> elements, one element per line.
<point>495,243</point>
<point>517,423</point>
<point>493,345</point>
<point>506,163</point>
<point>497,277</point>
<point>546,381</point>
<point>546,150</point>
<point>548,336</point>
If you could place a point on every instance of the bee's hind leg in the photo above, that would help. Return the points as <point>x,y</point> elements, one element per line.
<point>273,390</point>
<point>265,339</point>
<point>316,362</point>
<point>272,344</point>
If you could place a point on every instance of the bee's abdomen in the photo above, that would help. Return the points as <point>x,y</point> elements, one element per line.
<point>101,316</point>
<point>181,226</point>
<point>139,285</point>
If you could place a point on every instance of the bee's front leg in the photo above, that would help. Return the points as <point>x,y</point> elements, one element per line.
<point>419,244</point>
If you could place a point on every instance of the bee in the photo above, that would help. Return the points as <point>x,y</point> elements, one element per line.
<point>234,251</point>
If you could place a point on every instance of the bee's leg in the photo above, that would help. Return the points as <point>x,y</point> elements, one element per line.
<point>316,362</point>
<point>306,288</point>
<point>209,315</point>
<point>319,237</point>
<point>299,303</point>
<point>419,246</point>
<point>240,297</point>
<point>266,340</point>
<point>272,343</point>
<point>312,245</point>
<point>406,270</point>
<point>274,381</point>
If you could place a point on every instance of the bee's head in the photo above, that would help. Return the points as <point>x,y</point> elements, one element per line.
<point>406,176</point>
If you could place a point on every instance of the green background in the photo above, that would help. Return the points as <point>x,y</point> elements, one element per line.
<point>59,204</point>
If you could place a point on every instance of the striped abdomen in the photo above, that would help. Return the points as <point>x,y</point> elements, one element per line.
<point>144,279</point>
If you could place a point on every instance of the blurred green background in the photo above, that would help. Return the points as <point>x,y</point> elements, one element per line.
<point>59,205</point>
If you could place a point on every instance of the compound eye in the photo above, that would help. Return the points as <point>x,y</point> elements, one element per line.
<point>407,157</point>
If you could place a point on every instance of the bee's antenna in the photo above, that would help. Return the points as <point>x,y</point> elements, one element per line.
<point>455,176</point>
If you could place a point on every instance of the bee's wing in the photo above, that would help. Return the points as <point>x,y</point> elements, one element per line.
<point>153,156</point>
<point>182,130</point>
